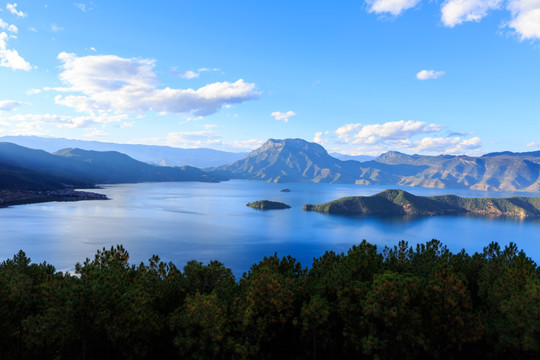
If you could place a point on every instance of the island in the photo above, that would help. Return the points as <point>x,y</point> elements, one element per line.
<point>400,202</point>
<point>268,205</point>
<point>285,190</point>
<point>23,197</point>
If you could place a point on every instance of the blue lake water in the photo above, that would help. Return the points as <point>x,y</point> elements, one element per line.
<point>202,221</point>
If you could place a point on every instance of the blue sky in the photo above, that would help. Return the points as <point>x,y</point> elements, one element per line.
<point>359,77</point>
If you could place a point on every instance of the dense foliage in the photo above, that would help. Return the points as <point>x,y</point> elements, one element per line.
<point>401,303</point>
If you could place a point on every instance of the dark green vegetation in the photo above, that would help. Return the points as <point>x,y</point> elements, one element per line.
<point>296,160</point>
<point>399,202</point>
<point>403,303</point>
<point>268,205</point>
<point>21,197</point>
<point>28,169</point>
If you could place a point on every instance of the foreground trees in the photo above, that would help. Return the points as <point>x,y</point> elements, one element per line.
<point>401,303</point>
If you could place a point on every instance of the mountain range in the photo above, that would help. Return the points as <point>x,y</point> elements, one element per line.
<point>152,154</point>
<point>284,161</point>
<point>22,168</point>
<point>296,160</point>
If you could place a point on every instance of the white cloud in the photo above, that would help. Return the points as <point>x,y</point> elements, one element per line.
<point>65,121</point>
<point>193,139</point>
<point>95,133</point>
<point>10,58</point>
<point>394,7</point>
<point>446,145</point>
<point>374,133</point>
<point>190,74</point>
<point>9,27</point>
<point>407,136</point>
<point>429,74</point>
<point>278,115</point>
<point>126,125</point>
<point>12,8</point>
<point>320,139</point>
<point>346,132</point>
<point>84,7</point>
<point>205,138</point>
<point>535,144</point>
<point>455,12</point>
<point>113,84</point>
<point>56,28</point>
<point>525,18</point>
<point>33,91</point>
<point>7,105</point>
<point>250,144</point>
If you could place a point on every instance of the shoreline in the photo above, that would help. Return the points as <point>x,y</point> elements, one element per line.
<point>26,197</point>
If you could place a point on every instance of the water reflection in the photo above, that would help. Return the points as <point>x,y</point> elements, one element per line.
<point>184,221</point>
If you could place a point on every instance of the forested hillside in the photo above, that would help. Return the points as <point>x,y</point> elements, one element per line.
<point>401,303</point>
<point>399,202</point>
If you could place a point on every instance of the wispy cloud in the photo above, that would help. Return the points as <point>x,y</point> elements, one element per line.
<point>429,74</point>
<point>94,132</point>
<point>283,116</point>
<point>84,7</point>
<point>7,105</point>
<point>9,27</point>
<point>12,8</point>
<point>56,28</point>
<point>191,74</point>
<point>534,144</point>
<point>109,83</point>
<point>64,121</point>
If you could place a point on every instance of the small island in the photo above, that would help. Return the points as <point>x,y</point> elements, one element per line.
<point>285,190</point>
<point>268,205</point>
<point>399,202</point>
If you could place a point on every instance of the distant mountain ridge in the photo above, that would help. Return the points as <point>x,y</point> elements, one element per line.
<point>286,160</point>
<point>153,154</point>
<point>31,169</point>
<point>296,160</point>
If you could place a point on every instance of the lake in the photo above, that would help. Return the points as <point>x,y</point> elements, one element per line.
<point>207,221</point>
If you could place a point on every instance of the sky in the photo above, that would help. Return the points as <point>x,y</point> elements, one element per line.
<point>358,77</point>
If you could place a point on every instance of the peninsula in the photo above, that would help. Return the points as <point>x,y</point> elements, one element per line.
<point>23,197</point>
<point>399,202</point>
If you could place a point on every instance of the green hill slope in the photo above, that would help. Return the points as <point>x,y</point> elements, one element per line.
<point>399,202</point>
<point>24,168</point>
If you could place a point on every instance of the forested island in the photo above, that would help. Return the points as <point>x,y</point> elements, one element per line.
<point>268,205</point>
<point>399,303</point>
<point>399,202</point>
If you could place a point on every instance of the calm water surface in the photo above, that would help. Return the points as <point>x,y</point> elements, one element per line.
<point>185,221</point>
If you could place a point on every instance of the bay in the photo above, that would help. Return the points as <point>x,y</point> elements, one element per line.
<point>207,221</point>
